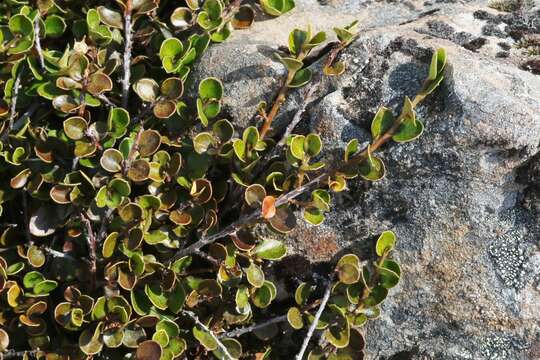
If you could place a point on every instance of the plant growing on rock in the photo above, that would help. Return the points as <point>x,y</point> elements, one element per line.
<point>127,208</point>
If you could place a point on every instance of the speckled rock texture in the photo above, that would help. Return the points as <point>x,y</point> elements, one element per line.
<point>464,199</point>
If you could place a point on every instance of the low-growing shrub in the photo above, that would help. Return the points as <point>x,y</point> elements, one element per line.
<point>127,209</point>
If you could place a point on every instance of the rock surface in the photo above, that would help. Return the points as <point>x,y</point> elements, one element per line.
<point>464,199</point>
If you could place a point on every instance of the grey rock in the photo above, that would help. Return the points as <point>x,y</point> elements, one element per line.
<point>464,199</point>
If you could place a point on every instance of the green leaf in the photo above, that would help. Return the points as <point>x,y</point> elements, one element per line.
<point>176,299</point>
<point>210,88</point>
<point>156,295</point>
<point>385,243</point>
<point>223,129</point>
<point>438,62</point>
<point>234,348</point>
<point>291,64</point>
<point>118,121</point>
<point>251,136</point>
<point>409,130</point>
<point>297,146</point>
<point>109,245</point>
<point>255,275</point>
<point>376,296</point>
<point>205,338</point>
<point>92,19</point>
<point>54,26</point>
<point>302,293</point>
<point>171,47</point>
<point>382,122</point>
<point>301,78</point>
<point>277,7</point>
<point>297,39</point>
<point>45,287</point>
<point>270,249</point>
<point>239,148</point>
<point>202,141</point>
<point>21,24</point>
<point>75,127</point>
<point>32,278</point>
<point>321,199</point>
<point>338,333</point>
<point>390,273</point>
<point>263,296</point>
<point>214,8</point>
<point>294,317</point>
<point>351,149</point>
<point>313,215</point>
<point>313,145</point>
<point>372,168</point>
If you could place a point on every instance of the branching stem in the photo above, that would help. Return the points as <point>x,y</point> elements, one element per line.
<point>315,321</point>
<point>248,329</point>
<point>222,347</point>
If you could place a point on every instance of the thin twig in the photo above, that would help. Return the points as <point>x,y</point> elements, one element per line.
<point>194,317</point>
<point>38,44</point>
<point>59,254</point>
<point>91,241</point>
<point>308,99</point>
<point>31,110</point>
<point>13,107</point>
<point>315,321</point>
<point>13,354</point>
<point>207,257</point>
<point>127,54</point>
<point>25,218</point>
<point>248,329</point>
<point>106,100</point>
<point>103,228</point>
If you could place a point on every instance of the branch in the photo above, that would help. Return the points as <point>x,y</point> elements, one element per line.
<point>106,100</point>
<point>205,328</point>
<point>91,241</point>
<point>280,99</point>
<point>13,354</point>
<point>13,107</point>
<point>313,325</point>
<point>248,329</point>
<point>207,257</point>
<point>38,44</point>
<point>62,255</point>
<point>31,110</point>
<point>127,54</point>
<point>103,228</point>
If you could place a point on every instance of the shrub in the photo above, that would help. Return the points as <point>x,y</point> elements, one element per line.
<point>127,209</point>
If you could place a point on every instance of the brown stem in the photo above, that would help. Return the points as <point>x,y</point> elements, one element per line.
<point>91,242</point>
<point>280,99</point>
